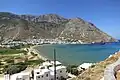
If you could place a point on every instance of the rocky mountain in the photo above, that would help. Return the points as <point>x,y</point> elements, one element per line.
<point>52,26</point>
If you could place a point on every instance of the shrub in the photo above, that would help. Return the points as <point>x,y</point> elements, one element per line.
<point>12,69</point>
<point>32,53</point>
<point>73,69</point>
<point>34,62</point>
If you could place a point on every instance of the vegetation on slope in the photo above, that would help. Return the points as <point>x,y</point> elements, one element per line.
<point>15,60</point>
<point>5,51</point>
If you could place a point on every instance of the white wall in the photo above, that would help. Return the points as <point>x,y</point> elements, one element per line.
<point>42,75</point>
<point>7,77</point>
<point>20,76</point>
<point>61,73</point>
<point>24,77</point>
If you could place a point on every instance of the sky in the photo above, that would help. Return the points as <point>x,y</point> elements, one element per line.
<point>105,14</point>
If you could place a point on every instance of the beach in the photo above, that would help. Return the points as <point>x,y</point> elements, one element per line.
<point>35,51</point>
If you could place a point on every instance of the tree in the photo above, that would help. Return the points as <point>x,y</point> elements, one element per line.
<point>12,69</point>
<point>73,69</point>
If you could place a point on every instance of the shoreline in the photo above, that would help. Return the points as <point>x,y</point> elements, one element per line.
<point>35,51</point>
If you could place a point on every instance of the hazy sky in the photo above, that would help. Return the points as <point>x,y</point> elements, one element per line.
<point>105,14</point>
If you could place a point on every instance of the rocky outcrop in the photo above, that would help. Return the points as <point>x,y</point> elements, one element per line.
<point>52,26</point>
<point>44,18</point>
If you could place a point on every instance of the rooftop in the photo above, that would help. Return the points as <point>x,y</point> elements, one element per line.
<point>50,63</point>
<point>18,75</point>
<point>57,68</point>
<point>85,65</point>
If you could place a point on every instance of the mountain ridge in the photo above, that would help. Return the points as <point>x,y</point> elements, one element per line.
<point>13,26</point>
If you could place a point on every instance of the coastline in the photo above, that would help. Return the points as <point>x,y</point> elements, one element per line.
<point>35,51</point>
<point>76,57</point>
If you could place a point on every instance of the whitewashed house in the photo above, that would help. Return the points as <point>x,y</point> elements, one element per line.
<point>46,71</point>
<point>42,74</point>
<point>85,66</point>
<point>20,76</point>
<point>60,72</point>
<point>6,77</point>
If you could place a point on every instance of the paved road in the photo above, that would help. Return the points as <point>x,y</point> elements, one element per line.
<point>110,70</point>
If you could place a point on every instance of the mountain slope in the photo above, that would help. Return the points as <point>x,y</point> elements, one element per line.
<point>84,31</point>
<point>51,26</point>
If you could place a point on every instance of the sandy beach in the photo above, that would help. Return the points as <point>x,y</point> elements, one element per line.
<point>35,51</point>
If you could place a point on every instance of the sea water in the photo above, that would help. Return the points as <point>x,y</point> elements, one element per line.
<point>79,53</point>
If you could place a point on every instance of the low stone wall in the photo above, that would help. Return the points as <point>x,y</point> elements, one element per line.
<point>110,71</point>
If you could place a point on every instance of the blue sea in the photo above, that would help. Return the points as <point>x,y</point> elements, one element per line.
<point>79,53</point>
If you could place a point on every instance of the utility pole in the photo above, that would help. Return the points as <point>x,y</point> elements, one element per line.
<point>54,64</point>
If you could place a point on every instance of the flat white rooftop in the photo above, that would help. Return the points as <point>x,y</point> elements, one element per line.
<point>57,62</point>
<point>50,63</point>
<point>57,67</point>
<point>85,65</point>
<point>19,75</point>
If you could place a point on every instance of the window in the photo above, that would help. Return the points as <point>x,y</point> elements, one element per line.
<point>61,77</point>
<point>38,76</point>
<point>42,76</point>
<point>57,77</point>
<point>60,71</point>
<point>51,79</point>
<point>46,75</point>
<point>42,67</point>
<point>37,72</point>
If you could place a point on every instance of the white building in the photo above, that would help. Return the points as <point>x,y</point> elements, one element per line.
<point>6,77</point>
<point>20,76</point>
<point>46,71</point>
<point>85,66</point>
<point>42,74</point>
<point>60,72</point>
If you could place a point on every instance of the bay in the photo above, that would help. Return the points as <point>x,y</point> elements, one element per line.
<point>79,53</point>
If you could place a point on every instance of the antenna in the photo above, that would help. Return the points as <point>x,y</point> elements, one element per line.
<point>54,64</point>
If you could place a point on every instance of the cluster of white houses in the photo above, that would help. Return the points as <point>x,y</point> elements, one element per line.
<point>44,72</point>
<point>11,43</point>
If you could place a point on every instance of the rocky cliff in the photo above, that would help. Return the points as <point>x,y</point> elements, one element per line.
<point>13,26</point>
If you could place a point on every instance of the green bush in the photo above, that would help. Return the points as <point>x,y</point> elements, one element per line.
<point>73,69</point>
<point>92,66</point>
<point>11,51</point>
<point>12,69</point>
<point>32,53</point>
<point>10,61</point>
<point>34,62</point>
